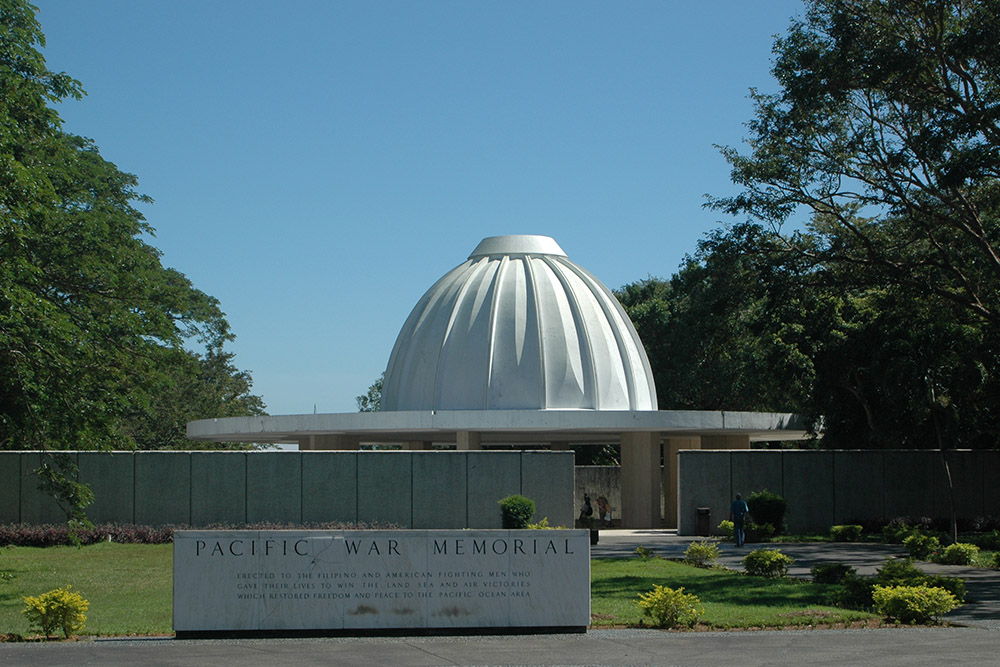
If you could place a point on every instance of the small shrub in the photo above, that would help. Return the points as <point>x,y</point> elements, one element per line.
<point>848,533</point>
<point>830,573</point>
<point>912,604</point>
<point>761,531</point>
<point>904,573</point>
<point>959,553</point>
<point>670,608</point>
<point>899,572</point>
<point>987,541</point>
<point>854,592</point>
<point>644,553</point>
<point>767,563</point>
<point>544,525</point>
<point>727,529</point>
<point>701,554</point>
<point>920,546</point>
<point>58,609</point>
<point>516,511</point>
<point>766,507</point>
<point>954,585</point>
<point>897,530</point>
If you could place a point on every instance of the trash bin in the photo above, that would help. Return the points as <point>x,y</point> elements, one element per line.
<point>704,521</point>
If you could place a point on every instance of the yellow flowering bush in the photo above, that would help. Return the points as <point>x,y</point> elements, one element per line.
<point>670,608</point>
<point>58,609</point>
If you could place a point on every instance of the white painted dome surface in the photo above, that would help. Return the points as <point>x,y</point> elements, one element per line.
<point>518,326</point>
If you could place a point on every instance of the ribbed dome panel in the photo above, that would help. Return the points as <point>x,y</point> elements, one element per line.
<point>518,326</point>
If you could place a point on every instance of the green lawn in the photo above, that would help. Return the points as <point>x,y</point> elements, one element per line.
<point>731,600</point>
<point>129,589</point>
<point>129,586</point>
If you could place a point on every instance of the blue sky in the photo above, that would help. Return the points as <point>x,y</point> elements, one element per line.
<point>316,165</point>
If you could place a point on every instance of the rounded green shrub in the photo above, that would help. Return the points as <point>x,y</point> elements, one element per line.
<point>959,553</point>
<point>670,608</point>
<point>727,529</point>
<point>767,563</point>
<point>848,533</point>
<point>854,592</point>
<point>761,531</point>
<point>830,573</point>
<point>920,546</point>
<point>954,585</point>
<point>903,572</point>
<point>897,572</point>
<point>912,604</point>
<point>768,508</point>
<point>516,511</point>
<point>701,554</point>
<point>59,609</point>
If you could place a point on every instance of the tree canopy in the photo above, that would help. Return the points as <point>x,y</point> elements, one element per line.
<point>886,134</point>
<point>863,287</point>
<point>96,335</point>
<point>371,401</point>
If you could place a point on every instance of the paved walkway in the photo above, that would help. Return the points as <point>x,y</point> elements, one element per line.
<point>975,644</point>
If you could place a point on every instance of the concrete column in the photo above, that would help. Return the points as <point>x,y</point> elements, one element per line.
<point>725,442</point>
<point>640,480</point>
<point>417,445</point>
<point>671,481</point>
<point>468,440</point>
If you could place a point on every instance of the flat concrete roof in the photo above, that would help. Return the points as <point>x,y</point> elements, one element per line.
<point>500,426</point>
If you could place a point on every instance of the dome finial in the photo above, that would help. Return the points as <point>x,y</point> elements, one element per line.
<point>520,244</point>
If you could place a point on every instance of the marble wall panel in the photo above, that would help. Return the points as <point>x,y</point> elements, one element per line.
<point>274,487</point>
<point>163,488</point>
<point>111,476</point>
<point>218,488</point>
<point>10,487</point>
<point>385,488</point>
<point>547,478</point>
<point>440,489</point>
<point>491,476</point>
<point>329,486</point>
<point>704,482</point>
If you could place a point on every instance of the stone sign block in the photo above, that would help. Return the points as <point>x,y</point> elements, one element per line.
<point>247,582</point>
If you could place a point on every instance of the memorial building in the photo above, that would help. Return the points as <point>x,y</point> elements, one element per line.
<point>520,346</point>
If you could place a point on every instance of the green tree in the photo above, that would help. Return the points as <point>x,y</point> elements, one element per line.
<point>883,145</point>
<point>371,401</point>
<point>724,333</point>
<point>886,133</point>
<point>93,328</point>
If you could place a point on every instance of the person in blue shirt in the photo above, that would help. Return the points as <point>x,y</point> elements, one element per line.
<point>737,514</point>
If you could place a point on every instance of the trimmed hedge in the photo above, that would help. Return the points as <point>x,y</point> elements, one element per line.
<point>51,535</point>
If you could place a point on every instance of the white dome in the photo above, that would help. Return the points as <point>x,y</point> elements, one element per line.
<point>518,326</point>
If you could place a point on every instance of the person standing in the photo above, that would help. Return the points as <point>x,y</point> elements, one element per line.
<point>737,514</point>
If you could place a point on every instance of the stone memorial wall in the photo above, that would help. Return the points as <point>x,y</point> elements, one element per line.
<point>829,487</point>
<point>423,490</point>
<point>247,582</point>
